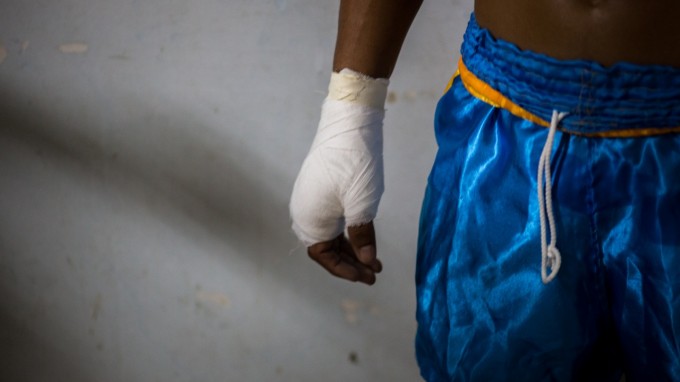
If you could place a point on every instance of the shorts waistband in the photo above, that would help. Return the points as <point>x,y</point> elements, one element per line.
<point>621,100</point>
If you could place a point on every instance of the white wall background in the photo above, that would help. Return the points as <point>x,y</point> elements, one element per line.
<point>147,152</point>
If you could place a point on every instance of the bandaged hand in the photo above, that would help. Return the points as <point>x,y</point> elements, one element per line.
<point>341,180</point>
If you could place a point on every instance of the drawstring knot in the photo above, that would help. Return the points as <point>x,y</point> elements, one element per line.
<point>550,255</point>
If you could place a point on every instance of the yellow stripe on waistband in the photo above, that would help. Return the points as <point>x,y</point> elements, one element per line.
<point>453,77</point>
<point>486,93</point>
<point>483,91</point>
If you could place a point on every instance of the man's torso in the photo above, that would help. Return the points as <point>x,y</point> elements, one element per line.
<point>606,31</point>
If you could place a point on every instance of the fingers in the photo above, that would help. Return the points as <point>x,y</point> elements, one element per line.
<point>362,239</point>
<point>338,257</point>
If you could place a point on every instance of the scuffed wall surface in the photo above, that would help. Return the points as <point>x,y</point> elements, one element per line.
<point>147,152</point>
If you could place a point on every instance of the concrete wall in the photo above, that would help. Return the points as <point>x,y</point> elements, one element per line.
<point>147,153</point>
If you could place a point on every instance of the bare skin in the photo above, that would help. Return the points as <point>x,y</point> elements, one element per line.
<point>371,33</point>
<point>607,31</point>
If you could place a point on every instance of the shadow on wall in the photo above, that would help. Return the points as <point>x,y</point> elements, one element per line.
<point>186,174</point>
<point>34,354</point>
<point>172,164</point>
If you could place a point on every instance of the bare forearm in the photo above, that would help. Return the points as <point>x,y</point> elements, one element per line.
<point>371,33</point>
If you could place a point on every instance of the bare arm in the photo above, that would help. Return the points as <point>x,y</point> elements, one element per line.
<point>371,33</point>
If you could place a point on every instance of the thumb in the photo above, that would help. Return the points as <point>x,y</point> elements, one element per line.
<point>362,239</point>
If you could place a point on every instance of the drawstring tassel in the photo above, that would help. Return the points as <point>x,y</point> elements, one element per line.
<point>550,255</point>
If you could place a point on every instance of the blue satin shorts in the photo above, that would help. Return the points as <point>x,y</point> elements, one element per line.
<point>614,307</point>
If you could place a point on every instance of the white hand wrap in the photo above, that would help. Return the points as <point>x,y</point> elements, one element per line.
<point>341,180</point>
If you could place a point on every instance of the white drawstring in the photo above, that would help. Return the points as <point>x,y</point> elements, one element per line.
<point>550,255</point>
